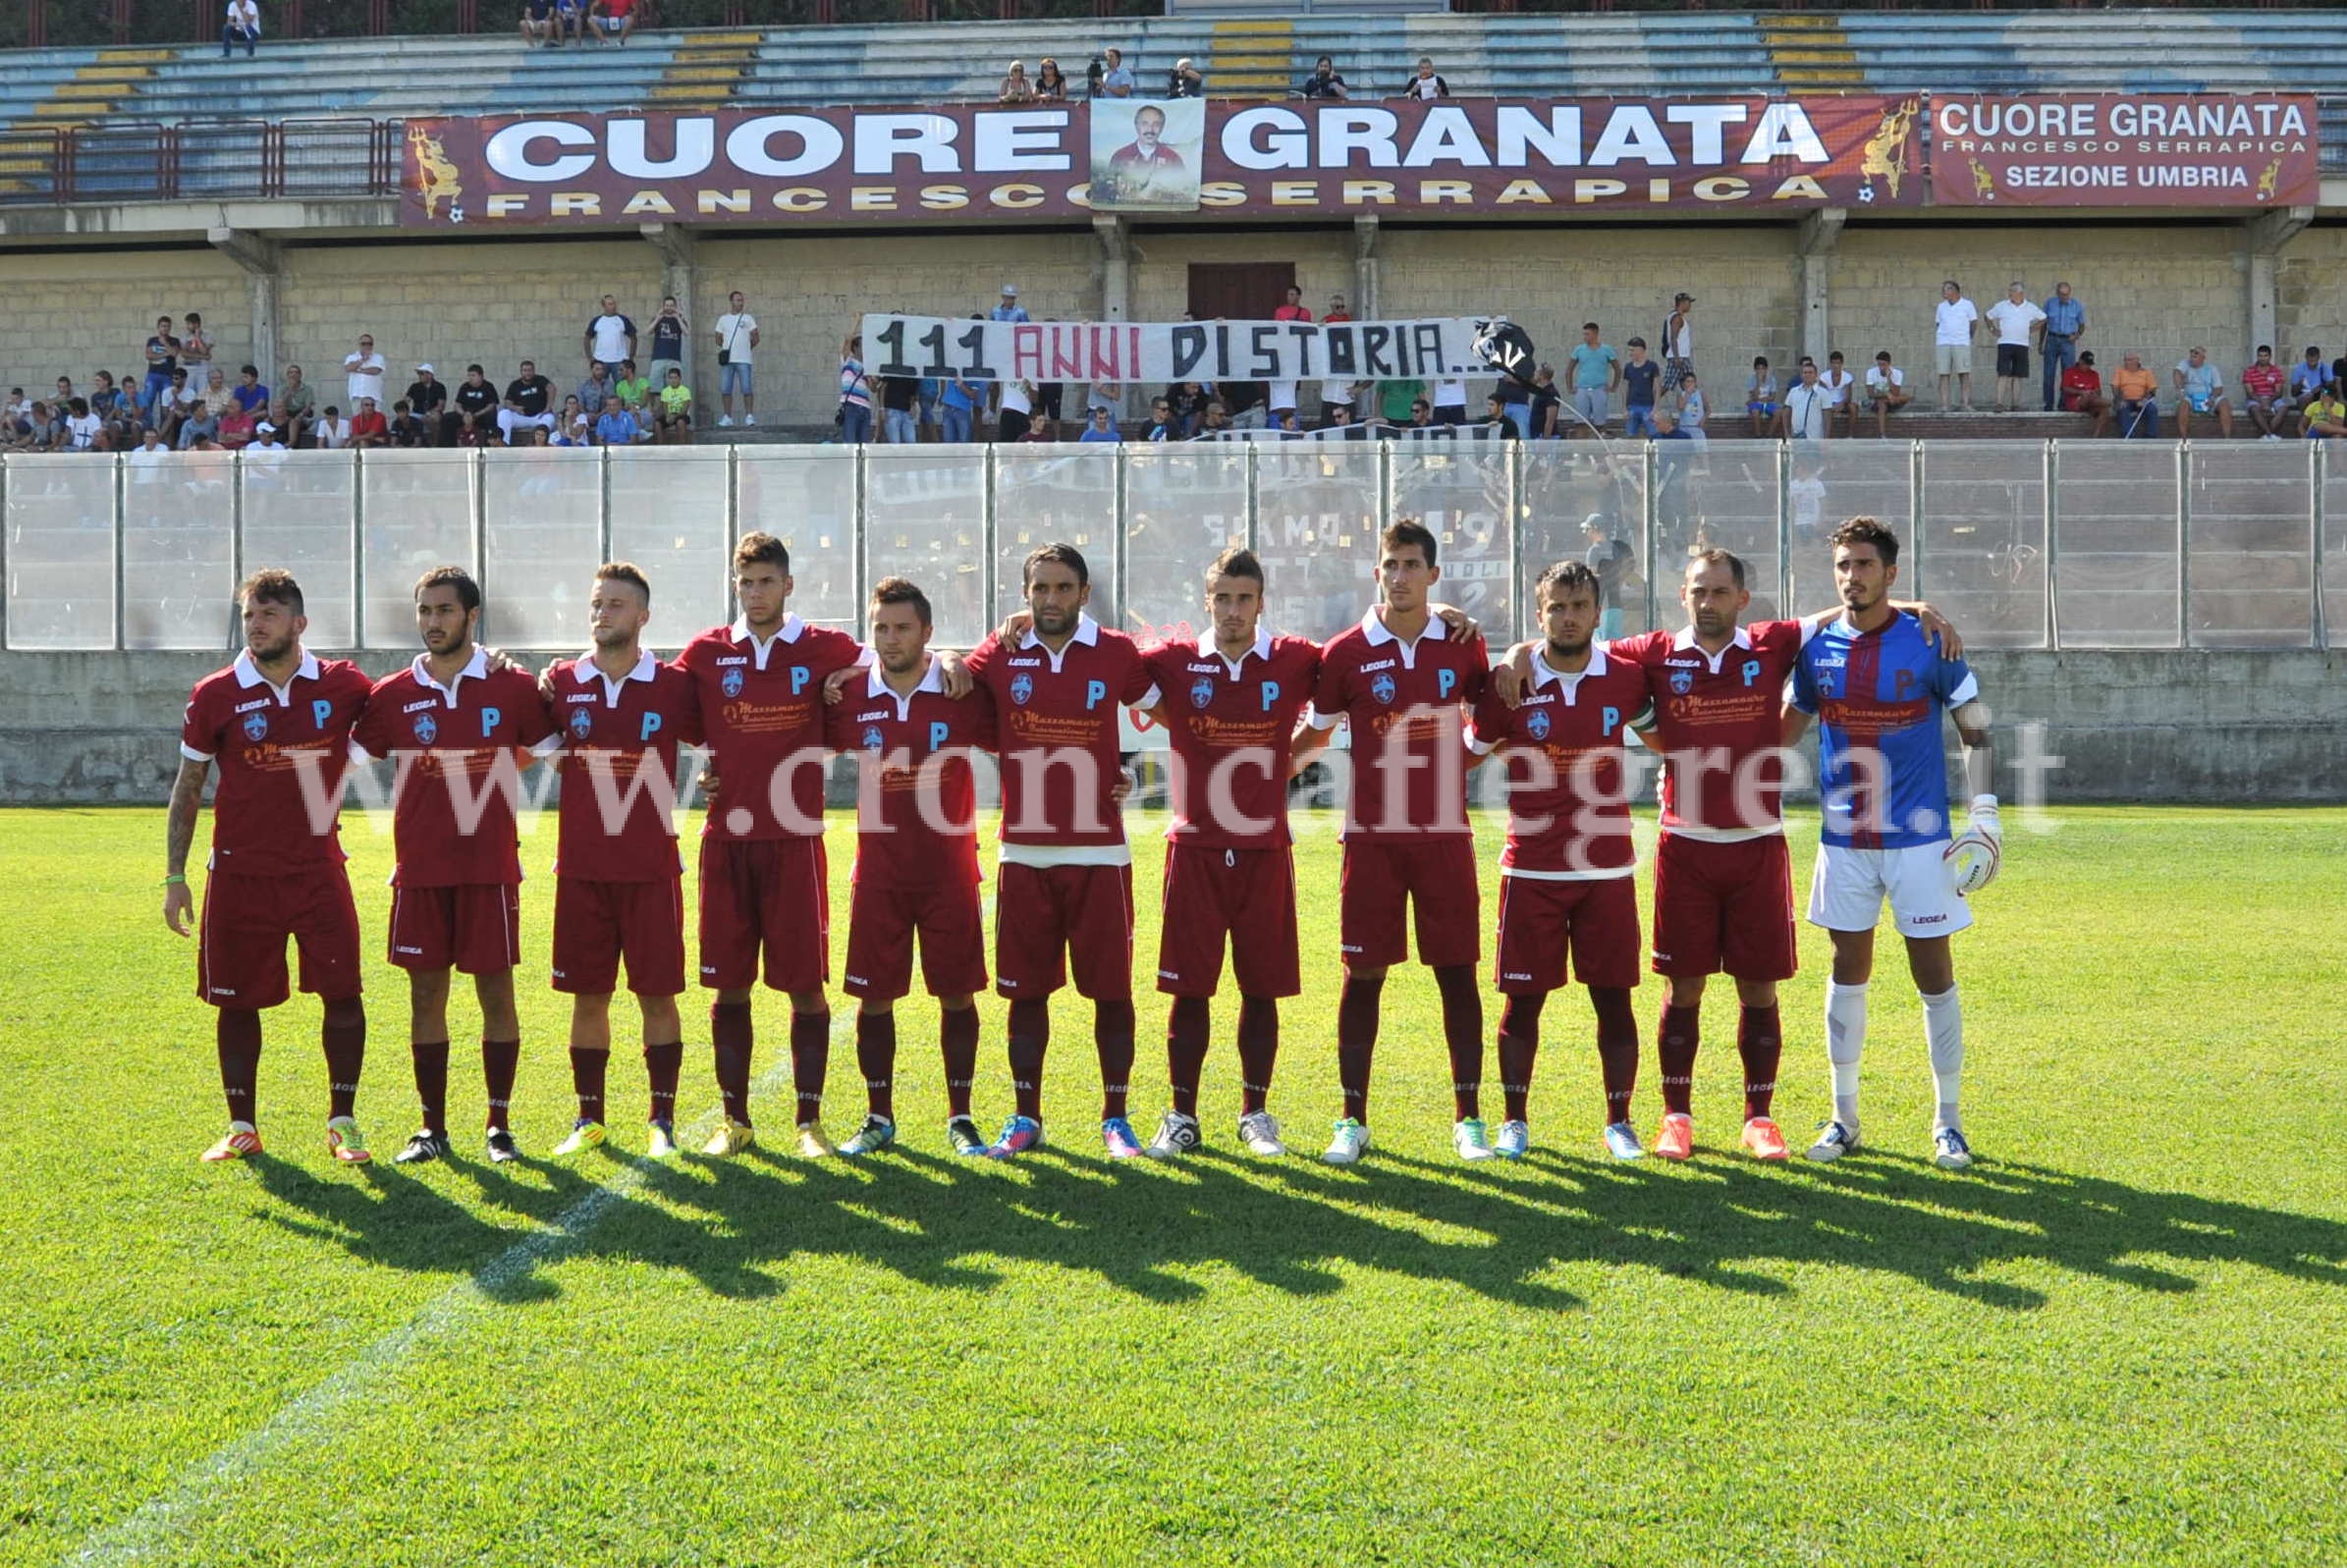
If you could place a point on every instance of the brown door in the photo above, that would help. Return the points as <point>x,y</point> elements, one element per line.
<point>1240,291</point>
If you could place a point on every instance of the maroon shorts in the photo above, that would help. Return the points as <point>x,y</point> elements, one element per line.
<point>1048,919</point>
<point>1243,896</point>
<point>475,928</point>
<point>1387,879</point>
<point>1724,906</point>
<point>1541,921</point>
<point>239,946</point>
<point>882,922</point>
<point>598,923</point>
<point>769,893</point>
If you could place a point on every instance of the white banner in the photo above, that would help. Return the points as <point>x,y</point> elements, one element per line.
<point>1374,431</point>
<point>1166,352</point>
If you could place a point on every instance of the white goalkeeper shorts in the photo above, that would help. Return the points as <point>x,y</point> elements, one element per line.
<point>1847,889</point>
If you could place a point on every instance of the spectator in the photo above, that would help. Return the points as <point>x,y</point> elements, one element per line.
<point>1760,400</point>
<point>118,405</point>
<point>369,427</point>
<point>46,428</point>
<point>64,394</point>
<point>633,390</point>
<point>1597,371</point>
<point>1394,399</point>
<point>574,426</point>
<point>83,431</point>
<point>1103,427</point>
<point>609,337</point>
<point>1692,408</point>
<point>618,426</point>
<point>1641,380</point>
<point>528,404</point>
<point>1885,390</point>
<point>2261,388</point>
<point>242,25</point>
<point>1448,401</point>
<point>675,407</point>
<point>2306,381</point>
<point>1954,321</point>
<point>1050,85</point>
<point>1808,405</point>
<point>427,395</point>
<point>237,425</point>
<point>2325,418</point>
<point>1805,492</point>
<point>198,423</point>
<point>364,369</point>
<point>1016,88</point>
<point>1422,415</point>
<point>1281,401</point>
<point>2017,320</point>
<point>162,357</point>
<point>1161,420</point>
<point>2201,389</point>
<point>1187,400</point>
<point>736,337</point>
<point>595,388</point>
<point>855,396</point>
<point>1294,309</point>
<point>266,439</point>
<point>1008,309</point>
<point>1610,559</point>
<point>1336,404</point>
<point>196,352</point>
<point>1217,419</point>
<point>1679,339</point>
<point>537,22</point>
<point>1425,83</point>
<point>898,394</point>
<point>1545,401</point>
<point>1184,80</point>
<point>2136,393</point>
<point>301,403</point>
<point>1337,310</point>
<point>473,413</point>
<point>178,401</point>
<point>1116,82</point>
<point>2082,391</point>
<point>1838,381</point>
<point>569,20</point>
<point>1498,418</point>
<point>1104,395</point>
<point>1015,419</point>
<point>2065,335</point>
<point>612,20</point>
<point>1324,83</point>
<point>251,395</point>
<point>669,329</point>
<point>410,428</point>
<point>218,396</point>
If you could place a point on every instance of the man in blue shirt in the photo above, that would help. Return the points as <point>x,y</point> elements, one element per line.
<point>1101,428</point>
<point>2064,327</point>
<point>1879,687</point>
<point>617,427</point>
<point>2201,389</point>
<point>1597,370</point>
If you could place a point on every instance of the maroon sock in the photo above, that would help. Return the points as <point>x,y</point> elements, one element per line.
<point>1682,1032</point>
<point>431,1081</point>
<point>876,1060</point>
<point>1112,1030</point>
<point>810,1060</point>
<point>1187,1029</point>
<point>1258,1050</point>
<point>501,1061</point>
<point>1519,1046</point>
<point>1760,1041</point>
<point>1618,1047</point>
<point>730,1036</point>
<point>344,1039</point>
<point>1031,1039</point>
<point>238,1032</point>
<point>587,1068</point>
<point>664,1065</point>
<point>1356,1041</point>
<point>1462,1032</point>
<point>959,1035</point>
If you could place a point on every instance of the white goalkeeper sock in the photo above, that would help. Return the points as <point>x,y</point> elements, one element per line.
<point>1944,1028</point>
<point>1845,1042</point>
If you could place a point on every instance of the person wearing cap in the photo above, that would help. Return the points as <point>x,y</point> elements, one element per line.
<point>2082,391</point>
<point>1678,339</point>
<point>426,396</point>
<point>1010,309</point>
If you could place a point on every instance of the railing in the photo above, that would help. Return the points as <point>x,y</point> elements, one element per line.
<point>2033,544</point>
<point>212,159</point>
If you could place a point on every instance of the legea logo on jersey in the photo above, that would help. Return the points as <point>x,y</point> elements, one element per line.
<point>256,726</point>
<point>581,722</point>
<point>427,729</point>
<point>1381,687</point>
<point>1021,688</point>
<point>873,738</point>
<point>1535,724</point>
<point>1202,691</point>
<point>1682,682</point>
<point>729,682</point>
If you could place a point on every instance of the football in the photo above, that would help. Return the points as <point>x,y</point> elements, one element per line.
<point>1972,860</point>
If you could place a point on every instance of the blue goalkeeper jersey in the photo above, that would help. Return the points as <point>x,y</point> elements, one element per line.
<point>1877,697</point>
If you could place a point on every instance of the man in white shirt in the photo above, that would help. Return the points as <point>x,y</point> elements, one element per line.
<point>1951,341</point>
<point>1808,406</point>
<point>1885,390</point>
<point>610,338</point>
<point>736,335</point>
<point>1838,381</point>
<point>334,431</point>
<point>242,25</point>
<point>1450,401</point>
<point>366,372</point>
<point>2017,322</point>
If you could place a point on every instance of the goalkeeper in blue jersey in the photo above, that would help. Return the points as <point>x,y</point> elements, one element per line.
<point>1877,687</point>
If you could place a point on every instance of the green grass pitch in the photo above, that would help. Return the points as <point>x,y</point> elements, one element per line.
<point>2123,1339</point>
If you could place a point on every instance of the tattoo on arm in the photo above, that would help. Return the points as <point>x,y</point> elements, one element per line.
<point>187,799</point>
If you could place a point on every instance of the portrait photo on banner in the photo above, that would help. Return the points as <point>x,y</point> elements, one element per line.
<point>1147,153</point>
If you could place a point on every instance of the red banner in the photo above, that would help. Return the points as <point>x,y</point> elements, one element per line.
<point>2133,149</point>
<point>988,164</point>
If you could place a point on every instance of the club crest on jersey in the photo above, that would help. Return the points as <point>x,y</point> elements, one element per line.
<point>427,729</point>
<point>1682,682</point>
<point>581,722</point>
<point>1022,687</point>
<point>874,740</point>
<point>1381,687</point>
<point>256,726</point>
<point>729,682</point>
<point>1535,724</point>
<point>1202,691</point>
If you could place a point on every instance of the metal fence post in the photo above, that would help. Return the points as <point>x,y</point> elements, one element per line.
<point>1647,522</point>
<point>1121,510</point>
<point>860,509</point>
<point>2050,504</point>
<point>2315,462</point>
<point>1918,475</point>
<point>1519,456</point>
<point>1254,523</point>
<point>121,598</point>
<point>603,503</point>
<point>2183,544</point>
<point>236,521</point>
<point>1784,528</point>
<point>725,567</point>
<point>476,479</point>
<point>358,549</point>
<point>990,576</point>
<point>7,473</point>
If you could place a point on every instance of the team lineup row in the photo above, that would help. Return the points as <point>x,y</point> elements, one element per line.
<point>771,697</point>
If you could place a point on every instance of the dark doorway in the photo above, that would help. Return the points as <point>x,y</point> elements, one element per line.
<point>1240,291</point>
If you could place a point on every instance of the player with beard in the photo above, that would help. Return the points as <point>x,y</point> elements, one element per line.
<point>278,721</point>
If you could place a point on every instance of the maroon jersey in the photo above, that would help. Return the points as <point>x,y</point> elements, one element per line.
<point>1233,729</point>
<point>761,714</point>
<point>916,813</point>
<point>453,792</point>
<point>1718,723</point>
<point>1061,740</point>
<point>1403,698</point>
<point>278,807</point>
<point>1568,806</point>
<point>619,740</point>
